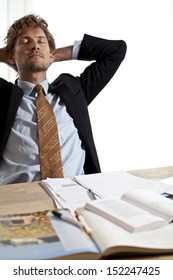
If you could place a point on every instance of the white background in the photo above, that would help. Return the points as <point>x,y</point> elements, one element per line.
<point>132,118</point>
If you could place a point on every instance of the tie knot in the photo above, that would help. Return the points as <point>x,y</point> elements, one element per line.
<point>39,88</point>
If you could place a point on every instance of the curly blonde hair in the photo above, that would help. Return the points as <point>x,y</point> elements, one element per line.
<point>28,21</point>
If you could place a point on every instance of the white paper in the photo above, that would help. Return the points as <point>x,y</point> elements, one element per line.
<point>117,183</point>
<point>66,193</point>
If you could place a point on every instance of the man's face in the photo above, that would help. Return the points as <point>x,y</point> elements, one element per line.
<point>31,52</point>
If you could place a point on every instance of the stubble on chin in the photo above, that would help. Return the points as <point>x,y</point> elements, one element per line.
<point>33,67</point>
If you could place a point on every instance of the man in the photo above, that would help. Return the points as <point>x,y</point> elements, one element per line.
<point>30,49</point>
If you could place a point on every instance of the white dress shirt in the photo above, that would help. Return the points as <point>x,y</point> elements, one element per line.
<point>21,156</point>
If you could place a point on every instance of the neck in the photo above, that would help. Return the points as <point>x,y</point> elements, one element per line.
<point>34,78</point>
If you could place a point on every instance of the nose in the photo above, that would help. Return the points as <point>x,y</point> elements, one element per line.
<point>35,45</point>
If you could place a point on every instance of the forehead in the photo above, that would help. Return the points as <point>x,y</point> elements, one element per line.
<point>32,32</point>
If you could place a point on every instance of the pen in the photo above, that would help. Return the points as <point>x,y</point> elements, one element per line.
<point>91,194</point>
<point>67,219</point>
<point>83,222</point>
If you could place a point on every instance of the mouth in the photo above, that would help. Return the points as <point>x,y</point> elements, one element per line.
<point>35,55</point>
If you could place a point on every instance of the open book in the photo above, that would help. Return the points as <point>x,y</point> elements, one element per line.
<point>57,239</point>
<point>41,235</point>
<point>114,241</point>
<point>136,210</point>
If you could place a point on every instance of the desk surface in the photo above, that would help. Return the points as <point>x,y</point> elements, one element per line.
<point>24,198</point>
<point>154,173</point>
<point>30,197</point>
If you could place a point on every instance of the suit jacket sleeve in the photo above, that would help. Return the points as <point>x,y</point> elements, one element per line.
<point>107,56</point>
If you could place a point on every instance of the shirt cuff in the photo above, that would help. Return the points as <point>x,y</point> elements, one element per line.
<point>76,48</point>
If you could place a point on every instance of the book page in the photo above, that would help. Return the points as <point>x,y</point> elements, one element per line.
<point>125,215</point>
<point>151,201</point>
<point>112,238</point>
<point>42,236</point>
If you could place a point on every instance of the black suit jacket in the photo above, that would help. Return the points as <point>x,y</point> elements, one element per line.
<point>76,92</point>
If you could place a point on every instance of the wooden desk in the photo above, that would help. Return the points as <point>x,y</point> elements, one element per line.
<point>24,198</point>
<point>154,173</point>
<point>31,197</point>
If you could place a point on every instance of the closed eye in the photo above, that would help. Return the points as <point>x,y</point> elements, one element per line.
<point>42,41</point>
<point>23,41</point>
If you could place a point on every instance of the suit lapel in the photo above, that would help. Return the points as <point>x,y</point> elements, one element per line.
<point>69,92</point>
<point>12,98</point>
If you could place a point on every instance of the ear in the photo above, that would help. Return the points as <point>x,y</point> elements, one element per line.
<point>51,58</point>
<point>11,59</point>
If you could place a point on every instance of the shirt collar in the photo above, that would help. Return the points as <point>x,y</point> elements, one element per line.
<point>28,87</point>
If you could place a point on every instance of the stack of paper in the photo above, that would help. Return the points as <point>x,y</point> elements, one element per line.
<point>66,193</point>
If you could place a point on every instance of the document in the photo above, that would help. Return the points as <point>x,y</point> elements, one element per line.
<point>116,183</point>
<point>75,192</point>
<point>67,193</point>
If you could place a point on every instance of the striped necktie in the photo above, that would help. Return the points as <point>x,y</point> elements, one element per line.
<point>49,147</point>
